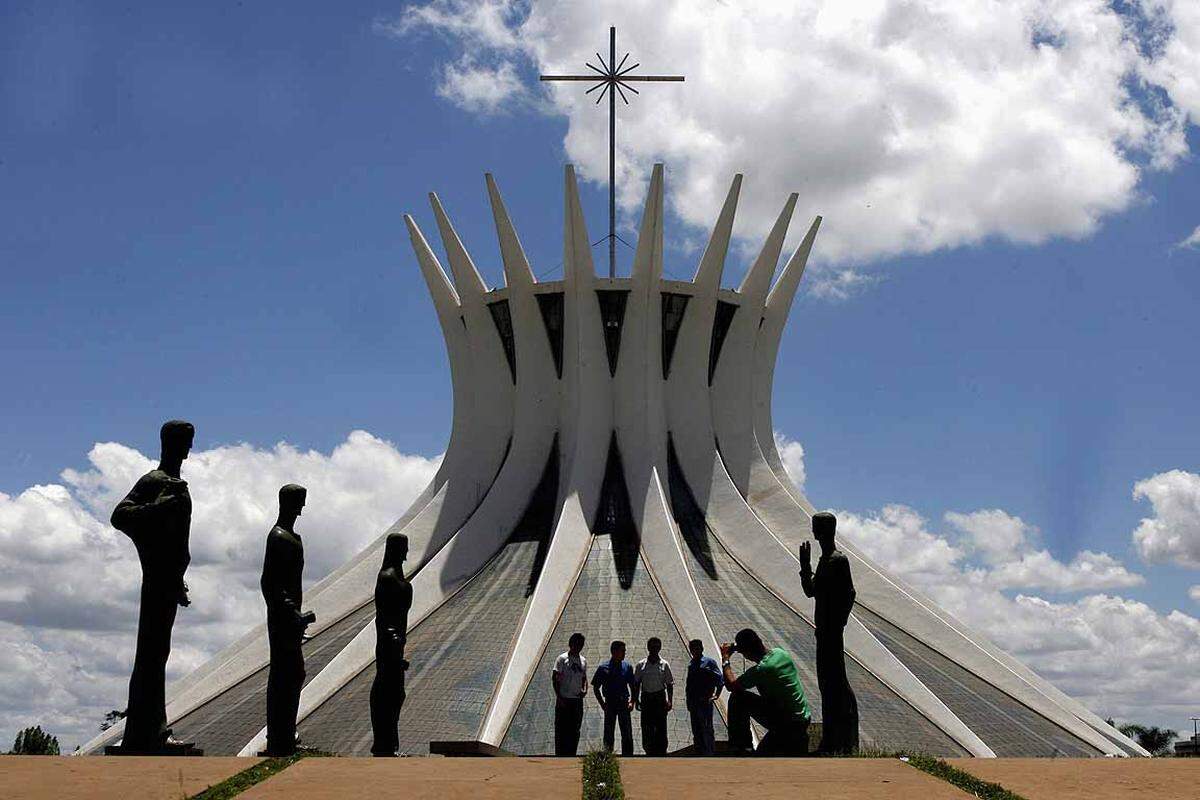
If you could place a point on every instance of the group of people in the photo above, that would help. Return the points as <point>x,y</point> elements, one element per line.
<point>769,692</point>
<point>156,516</point>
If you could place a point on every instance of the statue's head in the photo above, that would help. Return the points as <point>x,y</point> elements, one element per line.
<point>176,437</point>
<point>824,527</point>
<point>750,644</point>
<point>395,550</point>
<point>291,499</point>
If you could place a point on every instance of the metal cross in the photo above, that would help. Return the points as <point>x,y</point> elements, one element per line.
<point>612,78</point>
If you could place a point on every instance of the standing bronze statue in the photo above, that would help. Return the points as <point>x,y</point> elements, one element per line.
<point>157,516</point>
<point>393,599</point>
<point>833,588</point>
<point>283,567</point>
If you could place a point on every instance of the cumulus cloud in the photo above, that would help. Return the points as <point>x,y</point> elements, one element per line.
<point>791,453</point>
<point>1173,533</point>
<point>1007,545</point>
<point>1118,656</point>
<point>69,582</point>
<point>910,126</point>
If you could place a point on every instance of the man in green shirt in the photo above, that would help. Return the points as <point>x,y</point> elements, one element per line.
<point>778,705</point>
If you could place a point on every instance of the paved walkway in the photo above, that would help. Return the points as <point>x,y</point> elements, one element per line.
<point>780,779</point>
<point>1090,778</point>
<point>112,777</point>
<point>424,779</point>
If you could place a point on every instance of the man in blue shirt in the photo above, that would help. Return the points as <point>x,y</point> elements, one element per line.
<point>616,691</point>
<point>704,683</point>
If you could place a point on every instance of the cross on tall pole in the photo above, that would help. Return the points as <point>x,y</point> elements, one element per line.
<point>612,80</point>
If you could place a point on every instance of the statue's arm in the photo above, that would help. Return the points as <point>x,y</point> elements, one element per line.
<point>846,581</point>
<point>139,508</point>
<point>806,580</point>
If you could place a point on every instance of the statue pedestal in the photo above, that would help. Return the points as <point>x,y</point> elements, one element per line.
<point>169,749</point>
<point>467,749</point>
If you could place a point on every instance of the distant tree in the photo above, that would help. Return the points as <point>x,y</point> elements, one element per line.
<point>112,718</point>
<point>35,742</point>
<point>1154,739</point>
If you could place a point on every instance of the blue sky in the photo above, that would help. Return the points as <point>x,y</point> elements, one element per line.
<point>202,208</point>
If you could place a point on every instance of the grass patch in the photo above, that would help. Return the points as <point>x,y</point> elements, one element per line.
<point>236,784</point>
<point>976,787</point>
<point>602,777</point>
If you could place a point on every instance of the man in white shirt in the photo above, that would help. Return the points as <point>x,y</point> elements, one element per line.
<point>570,687</point>
<point>655,693</point>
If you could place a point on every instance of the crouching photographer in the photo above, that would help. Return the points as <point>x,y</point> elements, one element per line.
<point>778,705</point>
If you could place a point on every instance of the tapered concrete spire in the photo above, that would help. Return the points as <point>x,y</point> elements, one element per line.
<point>467,281</point>
<point>516,265</point>
<point>712,263</point>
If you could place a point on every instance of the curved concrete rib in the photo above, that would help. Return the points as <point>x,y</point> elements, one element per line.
<point>642,432</point>
<point>585,422</point>
<point>734,372</point>
<point>766,351</point>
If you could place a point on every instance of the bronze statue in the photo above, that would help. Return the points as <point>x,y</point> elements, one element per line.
<point>833,588</point>
<point>393,599</point>
<point>283,566</point>
<point>157,516</point>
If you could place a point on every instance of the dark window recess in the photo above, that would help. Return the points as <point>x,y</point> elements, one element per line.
<point>673,306</point>
<point>721,323</point>
<point>612,316</point>
<point>614,517</point>
<point>537,523</point>
<point>688,514</point>
<point>503,319</point>
<point>551,305</point>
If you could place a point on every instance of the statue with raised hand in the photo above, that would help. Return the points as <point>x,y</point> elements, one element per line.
<point>833,589</point>
<point>283,568</point>
<point>157,516</point>
<point>393,599</point>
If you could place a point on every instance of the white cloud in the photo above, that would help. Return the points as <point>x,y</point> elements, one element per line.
<point>1192,240</point>
<point>1007,545</point>
<point>481,88</point>
<point>839,284</point>
<point>910,126</point>
<point>68,602</point>
<point>1194,592</point>
<point>1173,533</point>
<point>1118,656</point>
<point>791,453</point>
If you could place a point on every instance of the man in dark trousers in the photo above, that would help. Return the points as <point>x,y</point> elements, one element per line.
<point>779,704</point>
<point>615,690</point>
<point>702,690</point>
<point>393,599</point>
<point>655,696</point>
<point>157,516</point>
<point>833,589</point>
<point>570,688</point>
<point>283,568</point>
